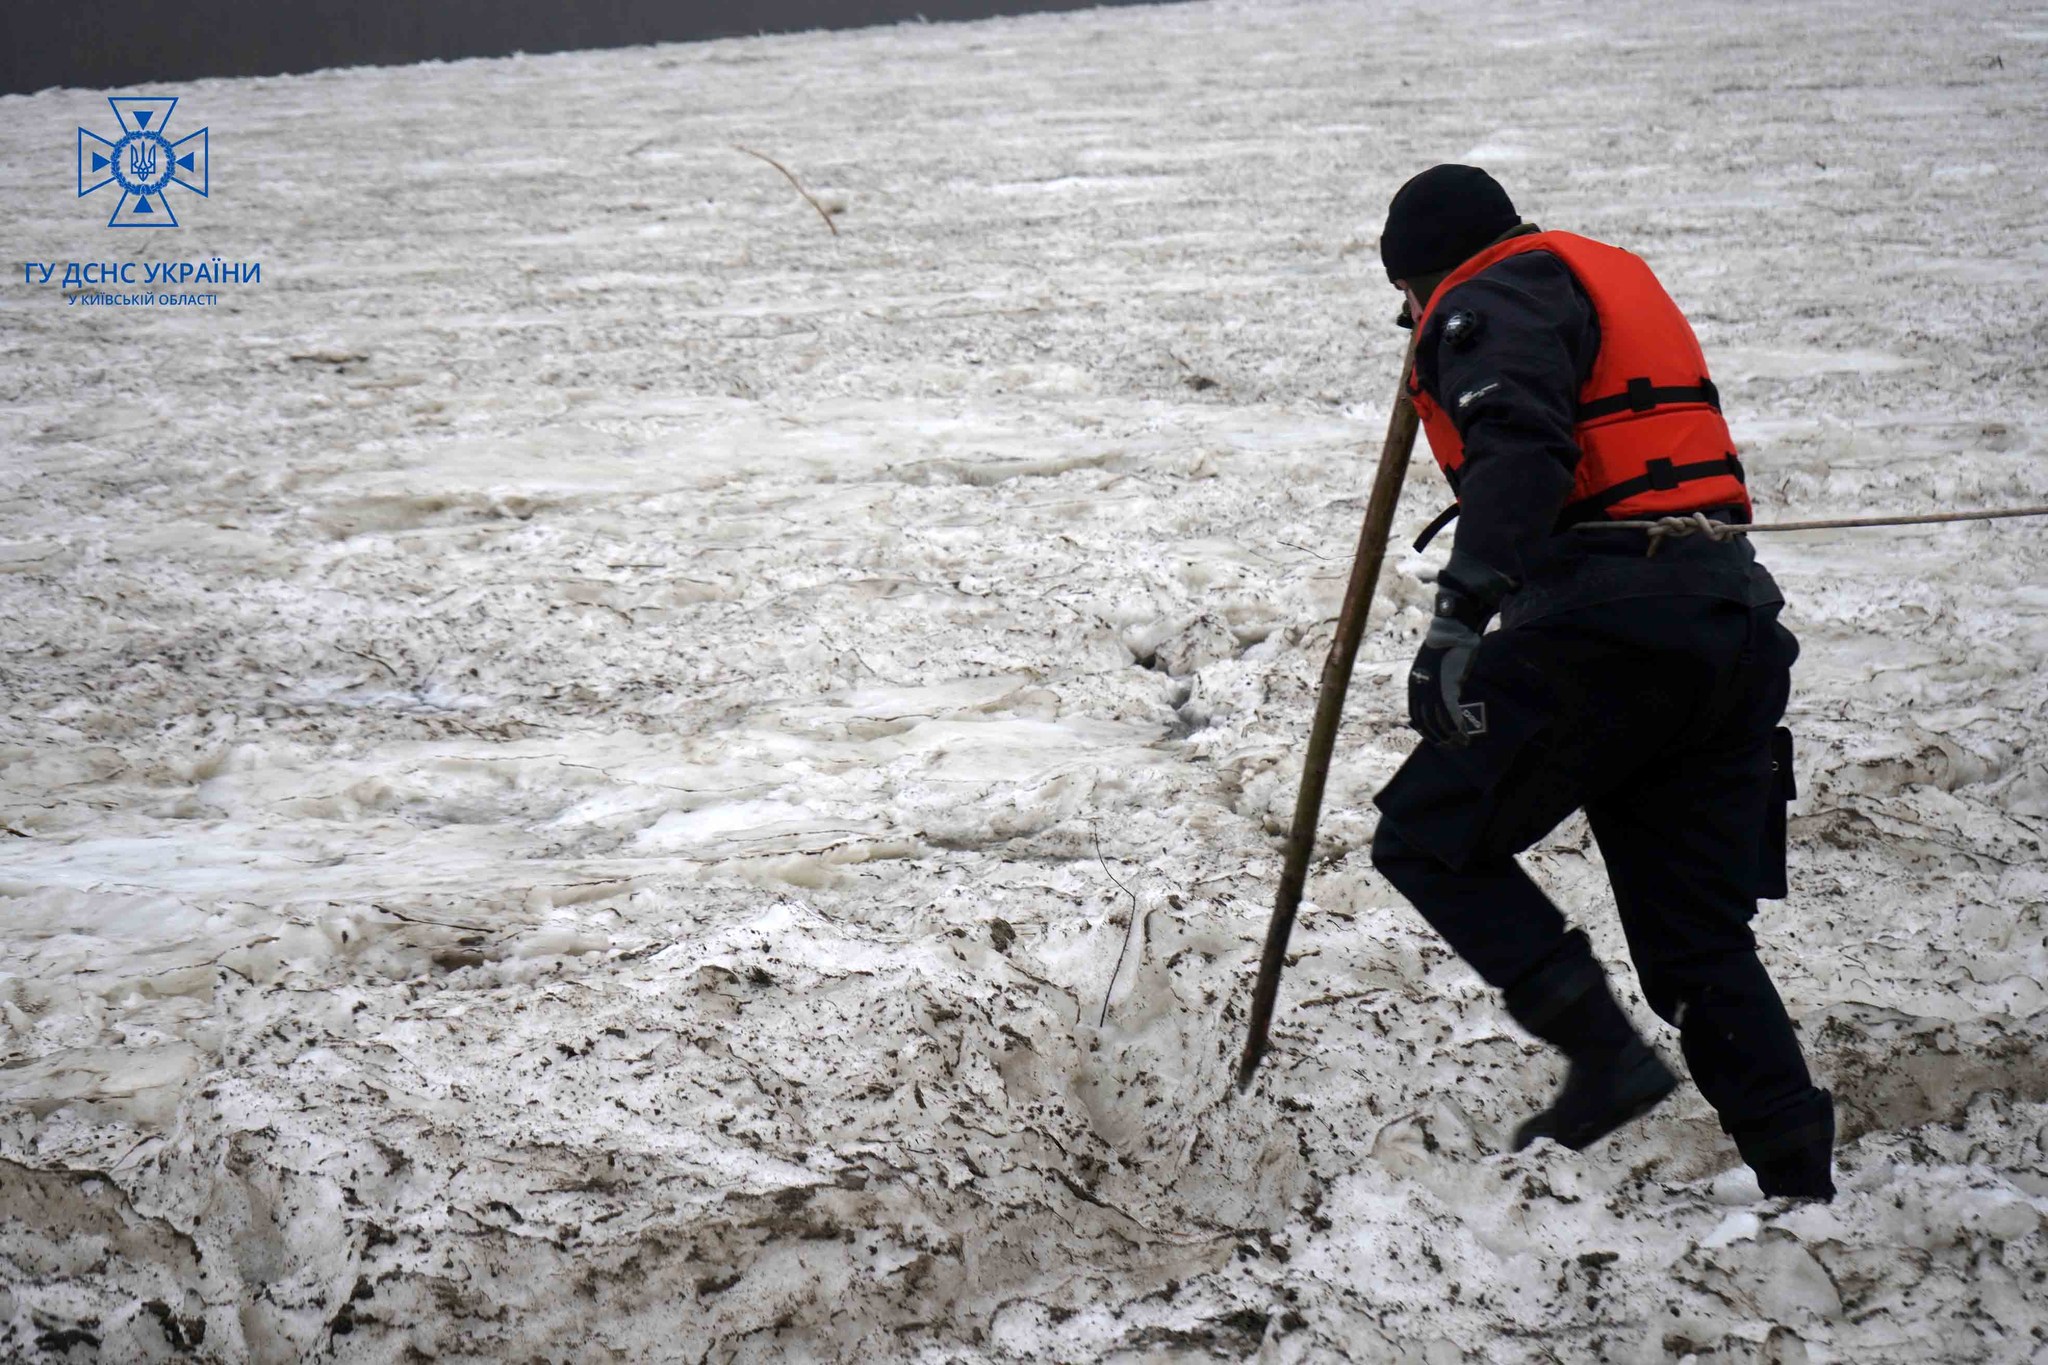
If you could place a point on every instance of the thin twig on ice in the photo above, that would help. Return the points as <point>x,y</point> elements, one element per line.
<point>1113,971</point>
<point>792,180</point>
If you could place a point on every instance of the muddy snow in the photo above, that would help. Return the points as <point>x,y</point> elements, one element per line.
<point>592,771</point>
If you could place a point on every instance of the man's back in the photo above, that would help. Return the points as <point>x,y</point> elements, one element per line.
<point>1511,384</point>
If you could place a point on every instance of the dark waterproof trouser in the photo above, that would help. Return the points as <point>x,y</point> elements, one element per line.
<point>1659,717</point>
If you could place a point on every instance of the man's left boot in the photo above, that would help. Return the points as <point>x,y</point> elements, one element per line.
<point>1613,1076</point>
<point>1746,1060</point>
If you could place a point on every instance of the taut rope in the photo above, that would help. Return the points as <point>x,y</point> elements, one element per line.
<point>1699,523</point>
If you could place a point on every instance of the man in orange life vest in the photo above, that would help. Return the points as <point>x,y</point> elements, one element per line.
<point>1560,386</point>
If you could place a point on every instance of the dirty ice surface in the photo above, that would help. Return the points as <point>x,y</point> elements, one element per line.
<point>578,763</point>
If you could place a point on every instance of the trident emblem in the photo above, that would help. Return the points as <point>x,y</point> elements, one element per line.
<point>143,162</point>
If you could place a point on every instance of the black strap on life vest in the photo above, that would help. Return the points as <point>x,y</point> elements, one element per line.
<point>1437,523</point>
<point>1641,395</point>
<point>1658,476</point>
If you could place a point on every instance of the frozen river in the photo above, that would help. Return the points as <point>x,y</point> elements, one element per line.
<point>592,771</point>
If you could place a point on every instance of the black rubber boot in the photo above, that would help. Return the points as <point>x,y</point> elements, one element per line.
<point>1613,1074</point>
<point>1745,1058</point>
<point>1600,1094</point>
<point>1797,1159</point>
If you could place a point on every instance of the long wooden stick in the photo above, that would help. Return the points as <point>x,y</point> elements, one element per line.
<point>1322,737</point>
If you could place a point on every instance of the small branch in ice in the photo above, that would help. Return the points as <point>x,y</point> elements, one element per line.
<point>1111,988</point>
<point>792,180</point>
<point>132,1151</point>
<point>365,654</point>
<point>435,923</point>
<point>1196,381</point>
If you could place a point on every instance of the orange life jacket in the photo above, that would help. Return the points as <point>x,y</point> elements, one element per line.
<point>1651,439</point>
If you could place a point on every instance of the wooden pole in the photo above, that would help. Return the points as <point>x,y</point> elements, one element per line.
<point>1322,737</point>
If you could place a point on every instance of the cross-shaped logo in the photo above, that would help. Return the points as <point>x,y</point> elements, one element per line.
<point>144,163</point>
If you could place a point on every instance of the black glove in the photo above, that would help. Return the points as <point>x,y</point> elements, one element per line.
<point>1437,674</point>
<point>1468,592</point>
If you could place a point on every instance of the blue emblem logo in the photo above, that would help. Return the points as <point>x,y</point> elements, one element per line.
<point>144,162</point>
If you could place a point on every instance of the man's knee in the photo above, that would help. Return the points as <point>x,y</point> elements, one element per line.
<point>1671,988</point>
<point>1731,978</point>
<point>1396,858</point>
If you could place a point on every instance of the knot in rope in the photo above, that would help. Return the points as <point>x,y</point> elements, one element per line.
<point>1696,523</point>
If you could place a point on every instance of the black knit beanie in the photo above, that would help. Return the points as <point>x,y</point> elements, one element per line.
<point>1441,219</point>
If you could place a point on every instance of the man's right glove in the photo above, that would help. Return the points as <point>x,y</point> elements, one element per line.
<point>1436,676</point>
<point>1467,594</point>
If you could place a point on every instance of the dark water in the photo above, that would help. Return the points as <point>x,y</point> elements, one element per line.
<point>99,43</point>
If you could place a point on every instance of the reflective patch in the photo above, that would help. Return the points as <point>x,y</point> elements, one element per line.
<point>1470,394</point>
<point>1472,717</point>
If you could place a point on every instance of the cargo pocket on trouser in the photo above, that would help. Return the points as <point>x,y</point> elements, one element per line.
<point>1771,883</point>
